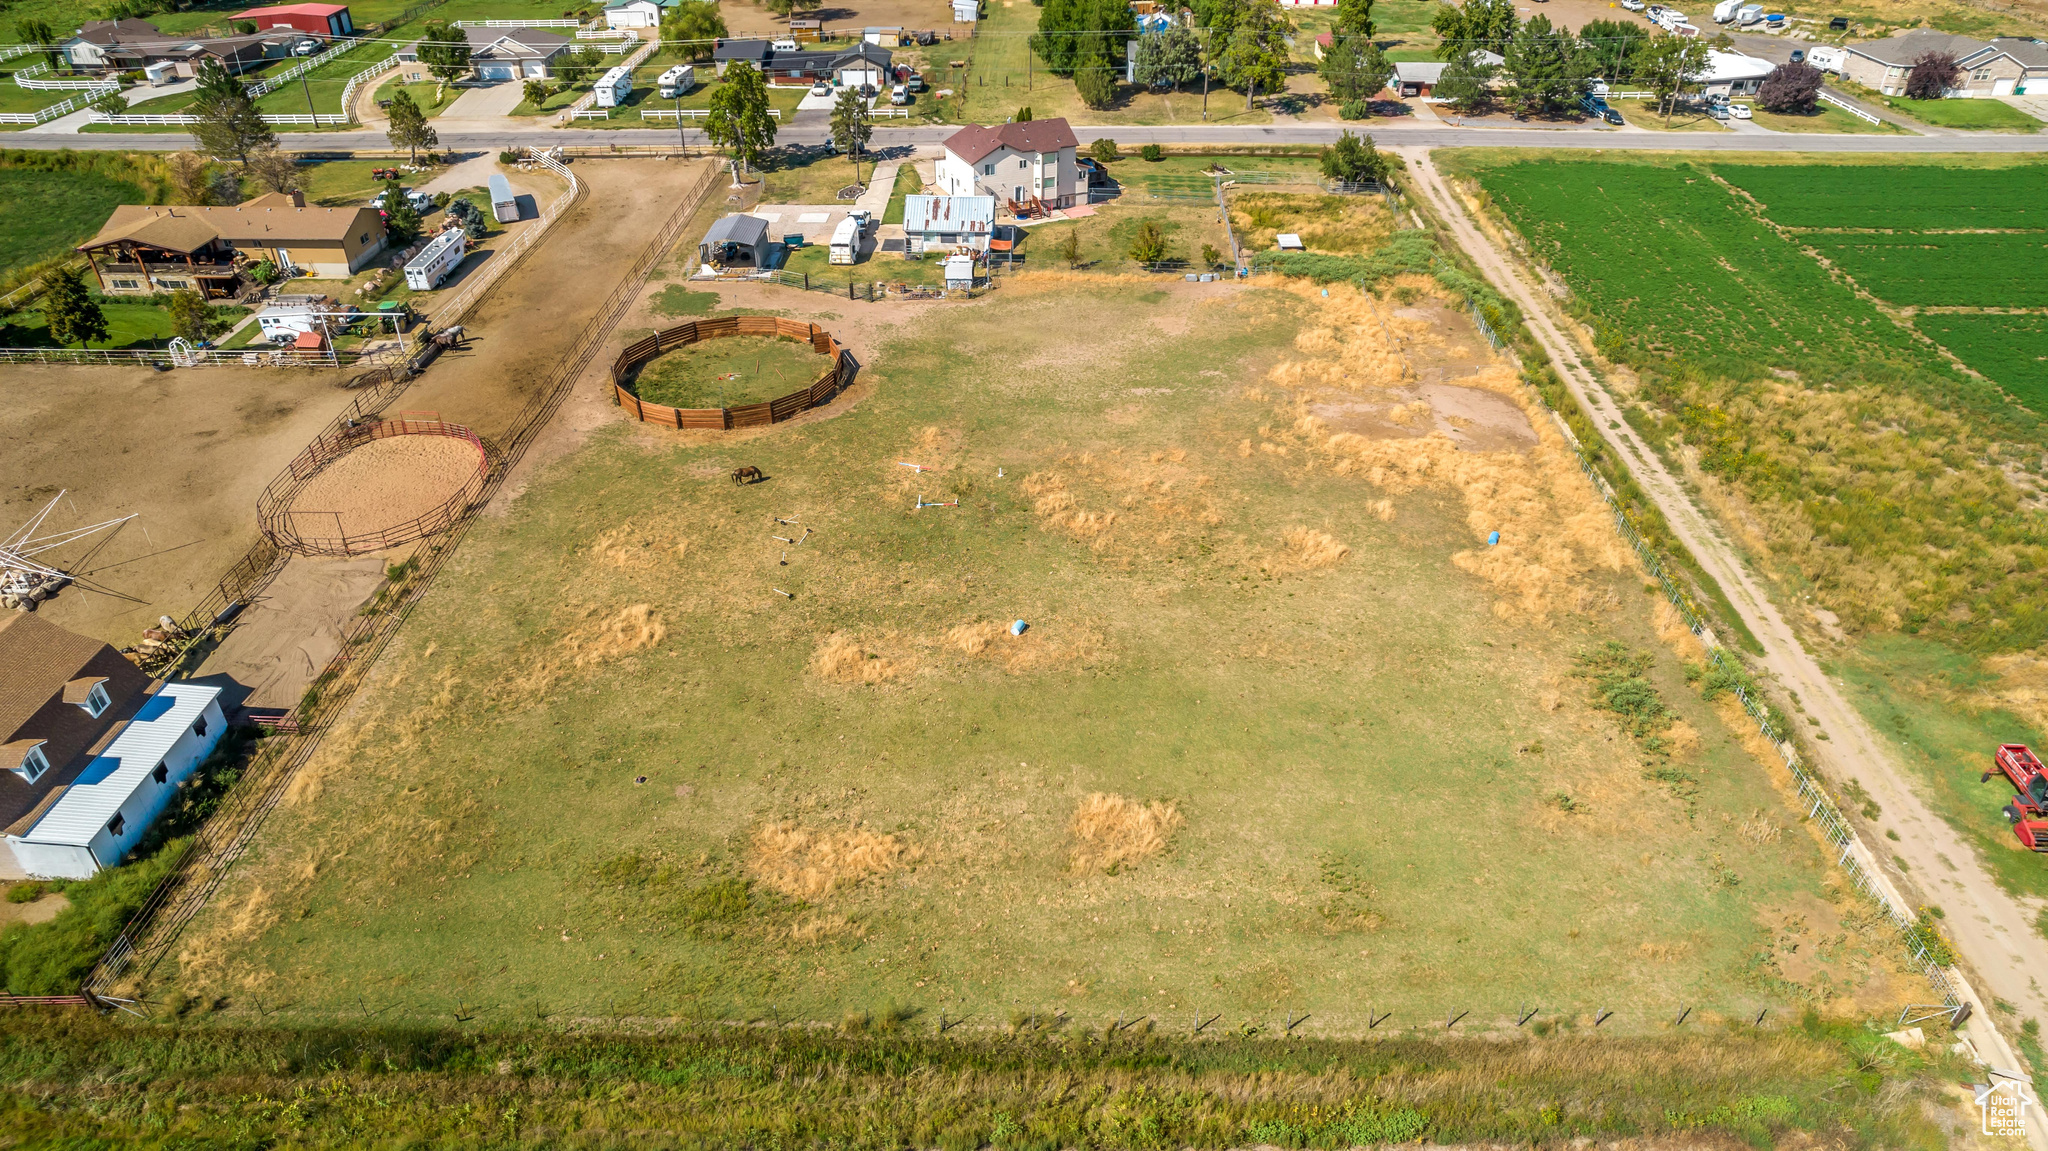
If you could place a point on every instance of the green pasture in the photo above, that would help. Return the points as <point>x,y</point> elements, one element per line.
<point>44,214</point>
<point>728,372</point>
<point>552,803</point>
<point>1891,195</point>
<point>2012,350</point>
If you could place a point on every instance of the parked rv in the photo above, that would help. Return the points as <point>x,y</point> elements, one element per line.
<point>1749,14</point>
<point>426,270</point>
<point>1827,59</point>
<point>677,81</point>
<point>845,242</point>
<point>614,88</point>
<point>1724,12</point>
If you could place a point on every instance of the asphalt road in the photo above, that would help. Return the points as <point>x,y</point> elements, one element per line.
<point>1387,133</point>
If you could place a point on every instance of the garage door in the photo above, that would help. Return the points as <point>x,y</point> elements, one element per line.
<point>497,71</point>
<point>2001,87</point>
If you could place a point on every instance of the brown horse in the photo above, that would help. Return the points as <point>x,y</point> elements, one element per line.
<point>747,474</point>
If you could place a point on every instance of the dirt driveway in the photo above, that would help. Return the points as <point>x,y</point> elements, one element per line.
<point>846,19</point>
<point>188,449</point>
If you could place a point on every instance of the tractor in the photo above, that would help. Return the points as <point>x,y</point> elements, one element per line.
<point>2028,812</point>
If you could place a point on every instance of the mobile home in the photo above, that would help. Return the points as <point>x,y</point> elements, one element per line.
<point>432,265</point>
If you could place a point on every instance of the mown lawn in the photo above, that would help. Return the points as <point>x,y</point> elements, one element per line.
<point>610,767</point>
<point>45,213</point>
<point>1973,115</point>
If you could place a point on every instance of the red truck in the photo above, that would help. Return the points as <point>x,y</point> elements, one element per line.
<point>2028,812</point>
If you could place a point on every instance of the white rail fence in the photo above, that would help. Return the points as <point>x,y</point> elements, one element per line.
<point>1845,106</point>
<point>517,24</point>
<point>55,110</point>
<point>27,78</point>
<point>12,50</point>
<point>186,120</point>
<point>271,84</point>
<point>689,113</point>
<point>195,357</point>
<point>348,92</point>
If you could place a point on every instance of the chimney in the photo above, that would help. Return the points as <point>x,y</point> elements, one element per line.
<point>298,199</point>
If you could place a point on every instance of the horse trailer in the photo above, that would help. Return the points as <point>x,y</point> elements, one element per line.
<point>504,205</point>
<point>432,265</point>
<point>845,242</point>
<point>677,81</point>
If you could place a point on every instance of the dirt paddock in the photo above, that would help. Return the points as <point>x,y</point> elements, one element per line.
<point>187,451</point>
<point>384,484</point>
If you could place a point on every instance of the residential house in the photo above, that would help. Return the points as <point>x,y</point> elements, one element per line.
<point>1733,74</point>
<point>638,13</point>
<point>1034,161</point>
<point>505,53</point>
<point>327,21</point>
<point>134,45</point>
<point>1416,77</point>
<point>860,63</point>
<point>143,249</point>
<point>948,223</point>
<point>1997,69</point>
<point>64,699</point>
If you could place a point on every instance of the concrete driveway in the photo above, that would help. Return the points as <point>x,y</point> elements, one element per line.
<point>494,102</point>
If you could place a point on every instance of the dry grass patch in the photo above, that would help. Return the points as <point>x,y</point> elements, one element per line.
<point>1112,832</point>
<point>807,863</point>
<point>629,547</point>
<point>1306,549</point>
<point>843,659</point>
<point>624,632</point>
<point>1342,225</point>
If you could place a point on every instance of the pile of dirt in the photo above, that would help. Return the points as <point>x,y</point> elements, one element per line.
<point>383,484</point>
<point>1112,832</point>
<point>806,863</point>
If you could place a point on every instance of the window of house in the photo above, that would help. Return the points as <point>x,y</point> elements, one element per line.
<point>129,284</point>
<point>174,284</point>
<point>117,825</point>
<point>988,169</point>
<point>1022,162</point>
<point>200,727</point>
<point>33,765</point>
<point>96,700</point>
<point>162,773</point>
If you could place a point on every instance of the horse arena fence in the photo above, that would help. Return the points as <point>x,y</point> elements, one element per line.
<point>817,394</point>
<point>312,531</point>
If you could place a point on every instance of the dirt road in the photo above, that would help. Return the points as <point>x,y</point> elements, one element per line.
<point>1990,928</point>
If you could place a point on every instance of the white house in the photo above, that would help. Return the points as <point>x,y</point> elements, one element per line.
<point>966,11</point>
<point>632,14</point>
<point>504,53</point>
<point>104,812</point>
<point>947,223</point>
<point>1733,74</point>
<point>1017,163</point>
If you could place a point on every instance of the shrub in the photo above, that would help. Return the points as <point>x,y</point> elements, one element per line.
<point>1152,153</point>
<point>1354,110</point>
<point>27,891</point>
<point>1148,244</point>
<point>1103,149</point>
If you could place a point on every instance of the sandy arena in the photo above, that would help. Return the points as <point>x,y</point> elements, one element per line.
<point>384,484</point>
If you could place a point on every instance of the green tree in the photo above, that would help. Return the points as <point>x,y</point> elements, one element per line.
<point>694,24</point>
<point>1021,115</point>
<point>1467,83</point>
<point>445,51</point>
<point>1069,248</point>
<point>276,170</point>
<point>1169,58</point>
<point>73,315</point>
<point>1610,47</point>
<point>788,8</point>
<point>1546,69</point>
<point>1103,149</point>
<point>853,125</point>
<point>1148,243</point>
<point>1669,65</point>
<point>1072,33</point>
<point>1355,69</point>
<point>1095,77</point>
<point>38,31</point>
<point>1254,56</point>
<point>738,119</point>
<point>575,67</point>
<point>409,128</point>
<point>536,93</point>
<point>1353,160</point>
<point>1480,25</point>
<point>191,316</point>
<point>1354,18</point>
<point>229,125</point>
<point>401,219</point>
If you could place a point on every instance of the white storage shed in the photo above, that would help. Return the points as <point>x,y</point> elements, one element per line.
<point>504,205</point>
<point>614,88</point>
<point>432,265</point>
<point>959,271</point>
<point>105,811</point>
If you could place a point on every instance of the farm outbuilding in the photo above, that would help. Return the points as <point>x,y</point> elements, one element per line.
<point>944,223</point>
<point>328,20</point>
<point>110,803</point>
<point>735,240</point>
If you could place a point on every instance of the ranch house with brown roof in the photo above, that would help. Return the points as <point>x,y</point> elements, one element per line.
<point>144,249</point>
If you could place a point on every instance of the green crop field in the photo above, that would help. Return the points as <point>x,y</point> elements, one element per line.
<point>1895,196</point>
<point>1972,269</point>
<point>2012,350</point>
<point>1278,736</point>
<point>1675,265</point>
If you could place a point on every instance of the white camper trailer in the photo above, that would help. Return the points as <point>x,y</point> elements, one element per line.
<point>614,88</point>
<point>677,81</point>
<point>432,265</point>
<point>845,241</point>
<point>504,205</point>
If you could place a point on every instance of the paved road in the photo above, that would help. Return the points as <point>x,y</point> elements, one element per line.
<point>1388,134</point>
<point>1990,928</point>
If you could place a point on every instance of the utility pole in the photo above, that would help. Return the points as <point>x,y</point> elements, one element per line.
<point>309,99</point>
<point>682,139</point>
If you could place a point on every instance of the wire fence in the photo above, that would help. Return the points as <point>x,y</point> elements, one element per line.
<point>152,931</point>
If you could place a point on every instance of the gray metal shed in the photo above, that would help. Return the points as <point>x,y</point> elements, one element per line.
<point>737,239</point>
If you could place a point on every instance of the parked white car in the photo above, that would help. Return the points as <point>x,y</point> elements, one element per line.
<point>1633,5</point>
<point>1740,112</point>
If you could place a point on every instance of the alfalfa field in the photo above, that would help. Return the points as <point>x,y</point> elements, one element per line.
<point>1284,733</point>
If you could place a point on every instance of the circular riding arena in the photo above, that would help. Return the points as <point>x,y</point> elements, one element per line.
<point>837,364</point>
<point>375,485</point>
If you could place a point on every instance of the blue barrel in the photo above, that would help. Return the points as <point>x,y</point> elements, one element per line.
<point>1493,538</point>
<point>1017,627</point>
